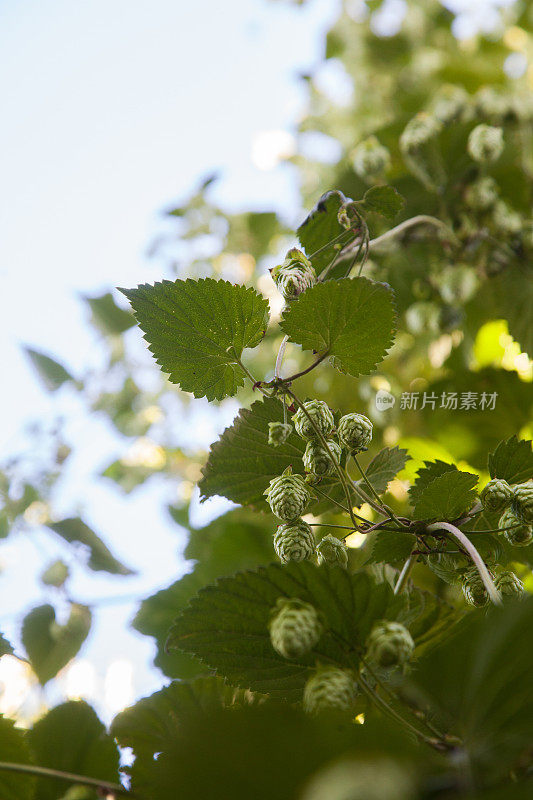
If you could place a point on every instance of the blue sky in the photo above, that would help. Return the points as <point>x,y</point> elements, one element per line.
<point>111,110</point>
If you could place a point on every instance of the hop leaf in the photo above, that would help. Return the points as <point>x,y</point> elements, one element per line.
<point>295,627</point>
<point>294,541</point>
<point>522,501</point>
<point>321,415</point>
<point>331,550</point>
<point>389,644</point>
<point>496,495</point>
<point>355,432</point>
<point>516,531</point>
<point>318,461</point>
<point>329,688</point>
<point>288,496</point>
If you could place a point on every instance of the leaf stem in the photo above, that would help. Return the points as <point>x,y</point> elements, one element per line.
<point>279,359</point>
<point>329,244</point>
<point>385,509</point>
<point>404,574</point>
<point>421,219</point>
<point>69,777</point>
<point>492,591</point>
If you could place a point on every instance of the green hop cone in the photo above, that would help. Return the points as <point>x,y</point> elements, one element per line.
<point>485,144</point>
<point>474,590</point>
<point>370,158</point>
<point>317,461</point>
<point>295,275</point>
<point>482,194</point>
<point>506,220</point>
<point>278,433</point>
<point>451,103</point>
<point>294,541</point>
<point>496,495</point>
<point>329,688</point>
<point>321,415</point>
<point>295,627</point>
<point>331,550</point>
<point>288,496</point>
<point>419,147</point>
<point>509,584</point>
<point>522,502</point>
<point>516,531</point>
<point>355,432</point>
<point>389,645</point>
<point>490,104</point>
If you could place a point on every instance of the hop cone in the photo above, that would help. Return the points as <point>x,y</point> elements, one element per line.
<point>473,588</point>
<point>517,532</point>
<point>446,567</point>
<point>485,143</point>
<point>288,496</point>
<point>505,219</point>
<point>278,433</point>
<point>295,627</point>
<point>295,275</point>
<point>370,158</point>
<point>331,550</point>
<point>522,503</point>
<point>389,644</point>
<point>482,195</point>
<point>357,779</point>
<point>418,144</point>
<point>321,415</point>
<point>509,584</point>
<point>450,104</point>
<point>496,495</point>
<point>294,541</point>
<point>329,688</point>
<point>355,432</point>
<point>318,461</point>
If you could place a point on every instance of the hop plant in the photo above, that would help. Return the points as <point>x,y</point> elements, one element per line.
<point>509,584</point>
<point>389,644</point>
<point>356,779</point>
<point>278,433</point>
<point>482,194</point>
<point>317,460</point>
<point>287,496</point>
<point>419,147</point>
<point>329,688</point>
<point>370,158</point>
<point>496,495</point>
<point>331,550</point>
<point>474,590</point>
<point>522,502</point>
<point>516,531</point>
<point>451,103</point>
<point>505,219</point>
<point>446,567</point>
<point>418,132</point>
<point>321,415</point>
<point>485,143</point>
<point>294,541</point>
<point>295,627</point>
<point>355,432</point>
<point>294,275</point>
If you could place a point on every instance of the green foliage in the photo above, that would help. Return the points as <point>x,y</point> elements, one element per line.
<point>14,748</point>
<point>5,647</point>
<point>49,645</point>
<point>385,466</point>
<point>197,329</point>
<point>51,372</point>
<point>447,496</point>
<point>74,530</point>
<point>384,200</point>
<point>352,320</point>
<point>320,227</point>
<point>512,460</point>
<point>107,316</point>
<point>71,738</point>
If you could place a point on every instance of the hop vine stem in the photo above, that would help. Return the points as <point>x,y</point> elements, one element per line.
<point>68,777</point>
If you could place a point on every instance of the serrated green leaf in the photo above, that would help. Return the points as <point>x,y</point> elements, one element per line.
<point>483,692</point>
<point>391,547</point>
<point>384,467</point>
<point>14,749</point>
<point>236,540</point>
<point>241,463</point>
<point>447,496</point>
<point>512,460</point>
<point>320,227</point>
<point>109,317</point>
<point>424,476</point>
<point>72,739</point>
<point>351,319</point>
<point>51,646</point>
<point>189,326</point>
<point>384,200</point>
<point>73,529</point>
<point>226,625</point>
<point>51,372</point>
